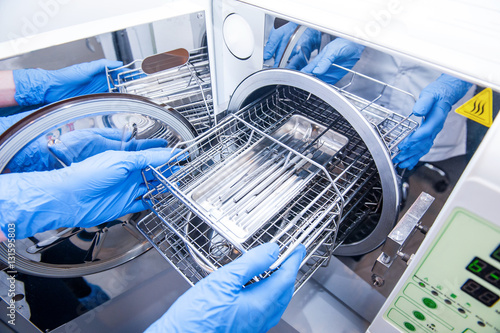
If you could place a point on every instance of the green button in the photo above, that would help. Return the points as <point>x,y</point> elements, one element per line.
<point>429,303</point>
<point>409,326</point>
<point>419,315</point>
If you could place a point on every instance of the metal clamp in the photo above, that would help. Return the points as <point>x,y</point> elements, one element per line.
<point>398,237</point>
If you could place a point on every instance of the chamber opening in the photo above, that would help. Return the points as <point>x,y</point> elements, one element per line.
<point>353,169</point>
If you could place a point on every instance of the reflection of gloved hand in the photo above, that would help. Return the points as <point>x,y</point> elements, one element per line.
<point>219,303</point>
<point>99,189</point>
<point>277,42</point>
<point>76,146</point>
<point>39,86</point>
<point>307,43</point>
<point>339,51</point>
<point>433,104</point>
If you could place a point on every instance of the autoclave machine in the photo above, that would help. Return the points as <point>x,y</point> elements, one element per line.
<point>327,154</point>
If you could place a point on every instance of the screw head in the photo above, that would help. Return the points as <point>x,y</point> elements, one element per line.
<point>377,281</point>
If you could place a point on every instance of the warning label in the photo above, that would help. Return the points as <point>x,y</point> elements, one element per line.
<point>479,108</point>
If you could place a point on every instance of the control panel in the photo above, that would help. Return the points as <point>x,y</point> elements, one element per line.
<point>456,286</point>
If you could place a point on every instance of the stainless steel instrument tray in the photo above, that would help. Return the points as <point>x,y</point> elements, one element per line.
<point>248,191</point>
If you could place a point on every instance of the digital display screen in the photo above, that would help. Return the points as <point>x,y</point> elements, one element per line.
<point>482,294</point>
<point>485,271</point>
<point>496,254</point>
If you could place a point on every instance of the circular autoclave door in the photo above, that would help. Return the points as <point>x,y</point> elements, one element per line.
<point>75,252</point>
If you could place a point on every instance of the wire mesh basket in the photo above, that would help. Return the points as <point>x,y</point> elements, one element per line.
<point>287,168</point>
<point>187,88</point>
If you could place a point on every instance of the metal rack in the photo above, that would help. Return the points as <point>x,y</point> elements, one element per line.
<point>337,192</point>
<point>186,88</point>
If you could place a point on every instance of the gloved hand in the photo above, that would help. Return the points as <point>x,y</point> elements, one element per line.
<point>76,146</point>
<point>433,105</point>
<point>99,189</point>
<point>339,51</point>
<point>39,86</point>
<point>307,43</point>
<point>277,42</point>
<point>219,303</point>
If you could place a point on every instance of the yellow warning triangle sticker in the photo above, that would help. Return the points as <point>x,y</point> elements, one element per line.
<point>479,108</point>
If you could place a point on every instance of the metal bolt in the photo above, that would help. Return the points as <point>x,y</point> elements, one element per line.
<point>423,229</point>
<point>377,281</point>
<point>405,257</point>
<point>385,258</point>
<point>199,15</point>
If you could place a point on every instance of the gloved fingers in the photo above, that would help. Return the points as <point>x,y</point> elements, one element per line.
<point>143,144</point>
<point>135,194</point>
<point>412,149</point>
<point>321,63</point>
<point>275,292</point>
<point>298,61</point>
<point>136,206</point>
<point>272,44</point>
<point>112,64</point>
<point>166,171</point>
<point>413,143</point>
<point>279,54</point>
<point>277,42</point>
<point>437,116</point>
<point>243,269</point>
<point>99,66</point>
<point>409,157</point>
<point>279,283</point>
<point>312,64</point>
<point>154,157</point>
<point>107,133</point>
<point>324,60</point>
<point>424,104</point>
<point>177,156</point>
<point>308,42</point>
<point>431,125</point>
<point>64,153</point>
<point>324,64</point>
<point>283,44</point>
<point>410,163</point>
<point>333,76</point>
<point>120,136</point>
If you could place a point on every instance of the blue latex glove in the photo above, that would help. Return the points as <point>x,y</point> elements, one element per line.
<point>339,51</point>
<point>76,146</point>
<point>99,189</point>
<point>433,105</point>
<point>219,303</point>
<point>277,42</point>
<point>307,43</point>
<point>39,86</point>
